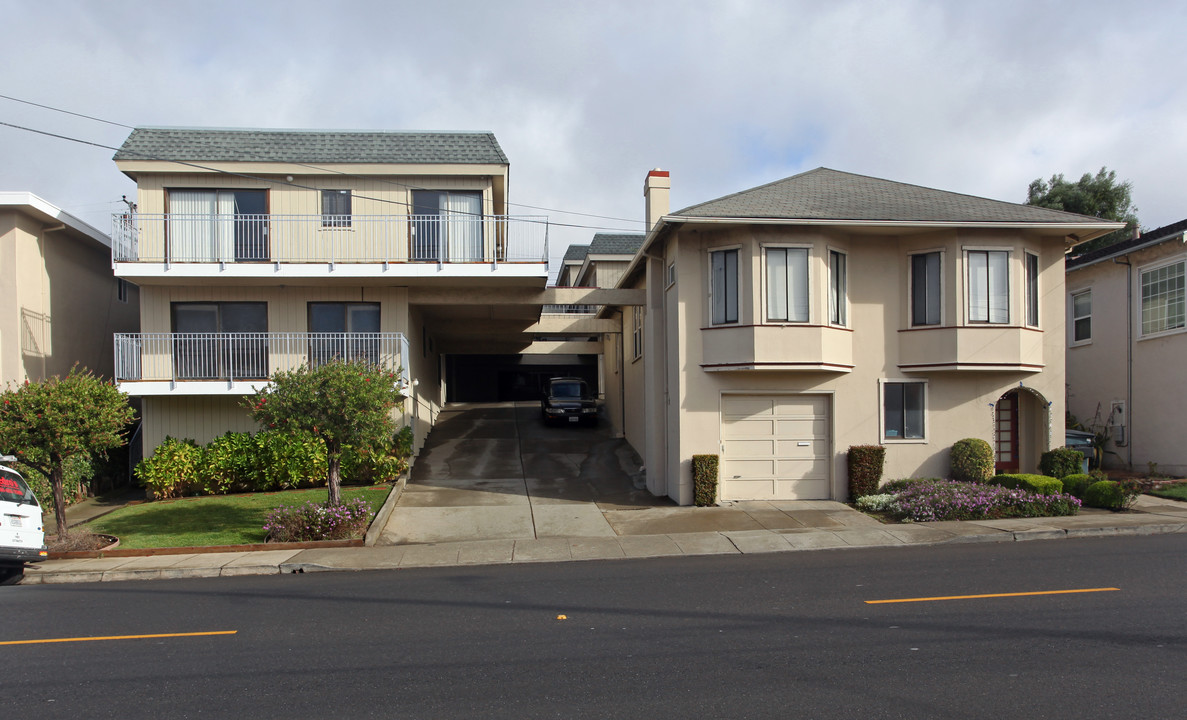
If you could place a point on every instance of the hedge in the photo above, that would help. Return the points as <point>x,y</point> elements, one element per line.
<point>1076,484</point>
<point>1061,462</point>
<point>1038,484</point>
<point>971,460</point>
<point>865,469</point>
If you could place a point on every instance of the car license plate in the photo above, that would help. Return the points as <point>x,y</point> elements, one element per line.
<point>574,419</point>
<point>14,520</point>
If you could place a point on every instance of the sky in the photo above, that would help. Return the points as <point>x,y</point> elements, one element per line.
<point>586,97</point>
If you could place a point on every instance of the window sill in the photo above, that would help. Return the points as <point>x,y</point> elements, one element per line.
<point>1162,334</point>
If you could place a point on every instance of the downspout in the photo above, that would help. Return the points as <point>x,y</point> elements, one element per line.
<point>1129,310</point>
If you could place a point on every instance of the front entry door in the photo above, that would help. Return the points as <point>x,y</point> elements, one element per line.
<point>1006,432</point>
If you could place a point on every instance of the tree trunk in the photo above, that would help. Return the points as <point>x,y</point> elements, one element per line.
<point>55,482</point>
<point>334,459</point>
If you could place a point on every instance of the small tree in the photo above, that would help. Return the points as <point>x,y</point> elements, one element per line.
<point>1099,196</point>
<point>46,423</point>
<point>343,403</point>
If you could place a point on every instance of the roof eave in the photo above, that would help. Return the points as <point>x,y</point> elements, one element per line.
<point>1181,236</point>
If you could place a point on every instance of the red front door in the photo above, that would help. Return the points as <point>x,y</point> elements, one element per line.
<point>1007,433</point>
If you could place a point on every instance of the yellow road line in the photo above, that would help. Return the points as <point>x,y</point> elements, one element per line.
<point>994,595</point>
<point>116,637</point>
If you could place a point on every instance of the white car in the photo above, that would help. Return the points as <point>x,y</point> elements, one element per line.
<point>22,535</point>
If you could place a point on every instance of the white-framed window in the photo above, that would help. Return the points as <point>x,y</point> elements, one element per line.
<point>904,410</point>
<point>1163,298</point>
<point>1081,310</point>
<point>1031,272</point>
<point>838,288</point>
<point>636,331</point>
<point>787,284</point>
<point>926,288</point>
<point>988,286</point>
<point>723,286</point>
<point>335,208</point>
<point>671,274</point>
<point>121,290</point>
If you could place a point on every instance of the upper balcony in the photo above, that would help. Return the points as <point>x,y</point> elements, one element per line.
<point>236,363</point>
<point>162,246</point>
<point>820,348</point>
<point>1001,348</point>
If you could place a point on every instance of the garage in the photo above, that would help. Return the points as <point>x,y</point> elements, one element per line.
<point>775,447</point>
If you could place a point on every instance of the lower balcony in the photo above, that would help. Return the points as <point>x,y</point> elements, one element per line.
<point>236,363</point>
<point>983,348</point>
<point>819,348</point>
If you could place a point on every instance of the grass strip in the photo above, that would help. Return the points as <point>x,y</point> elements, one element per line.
<point>212,519</point>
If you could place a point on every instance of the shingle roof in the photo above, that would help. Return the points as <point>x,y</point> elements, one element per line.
<point>615,244</point>
<point>310,146</point>
<point>1152,237</point>
<point>824,194</point>
<point>576,253</point>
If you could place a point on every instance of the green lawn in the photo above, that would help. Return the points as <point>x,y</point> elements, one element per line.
<point>1178,491</point>
<point>211,520</point>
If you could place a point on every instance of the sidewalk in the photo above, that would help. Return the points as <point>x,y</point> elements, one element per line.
<point>741,528</point>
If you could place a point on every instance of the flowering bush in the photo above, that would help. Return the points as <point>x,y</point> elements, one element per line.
<point>877,503</point>
<point>1113,494</point>
<point>949,500</point>
<point>317,521</point>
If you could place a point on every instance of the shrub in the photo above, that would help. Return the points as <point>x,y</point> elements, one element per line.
<point>172,471</point>
<point>317,521</point>
<point>229,464</point>
<point>1060,462</point>
<point>948,500</point>
<point>1112,495</point>
<point>971,460</point>
<point>865,469</point>
<point>883,502</point>
<point>76,470</point>
<point>287,459</point>
<point>1076,484</point>
<point>704,480</point>
<point>1040,484</point>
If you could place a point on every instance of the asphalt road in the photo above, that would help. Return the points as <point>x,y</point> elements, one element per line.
<point>785,635</point>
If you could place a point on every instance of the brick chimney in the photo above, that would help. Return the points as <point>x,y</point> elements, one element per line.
<point>656,191</point>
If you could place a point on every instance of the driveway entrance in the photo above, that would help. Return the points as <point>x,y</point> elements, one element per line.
<point>493,471</point>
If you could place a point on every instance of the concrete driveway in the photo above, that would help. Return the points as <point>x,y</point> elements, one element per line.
<point>493,471</point>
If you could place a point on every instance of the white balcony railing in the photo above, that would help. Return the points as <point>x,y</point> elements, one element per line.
<point>188,238</point>
<point>236,357</point>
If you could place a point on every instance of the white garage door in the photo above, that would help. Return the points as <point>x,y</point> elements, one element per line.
<point>775,447</point>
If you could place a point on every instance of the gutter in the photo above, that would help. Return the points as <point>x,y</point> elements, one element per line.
<point>1181,237</point>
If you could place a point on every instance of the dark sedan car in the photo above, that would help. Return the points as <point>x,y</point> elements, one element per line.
<point>569,400</point>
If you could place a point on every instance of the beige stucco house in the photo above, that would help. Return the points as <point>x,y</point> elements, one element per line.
<point>59,301</point>
<point>1126,346</point>
<point>785,323</point>
<point>261,250</point>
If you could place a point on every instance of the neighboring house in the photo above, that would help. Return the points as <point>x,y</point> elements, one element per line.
<point>571,265</point>
<point>1127,345</point>
<point>59,301</point>
<point>785,323</point>
<point>263,250</point>
<point>607,258</point>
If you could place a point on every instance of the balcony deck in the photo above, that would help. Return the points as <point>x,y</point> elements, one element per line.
<point>246,246</point>
<point>236,363</point>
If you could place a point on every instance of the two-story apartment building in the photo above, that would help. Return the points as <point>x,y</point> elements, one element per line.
<point>262,250</point>
<point>1127,344</point>
<point>59,301</point>
<point>785,323</point>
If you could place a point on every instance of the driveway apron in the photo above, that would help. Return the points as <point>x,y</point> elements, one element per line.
<point>493,471</point>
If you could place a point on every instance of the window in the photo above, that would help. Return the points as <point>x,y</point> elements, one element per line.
<point>1081,317</point>
<point>1032,289</point>
<point>902,409</point>
<point>989,286</point>
<point>335,208</point>
<point>837,289</point>
<point>671,274</point>
<point>347,331</point>
<point>787,284</point>
<point>925,289</point>
<point>723,286</point>
<point>637,331</point>
<point>447,226</point>
<point>217,225</point>
<point>1162,299</point>
<point>220,340</point>
<point>121,290</point>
